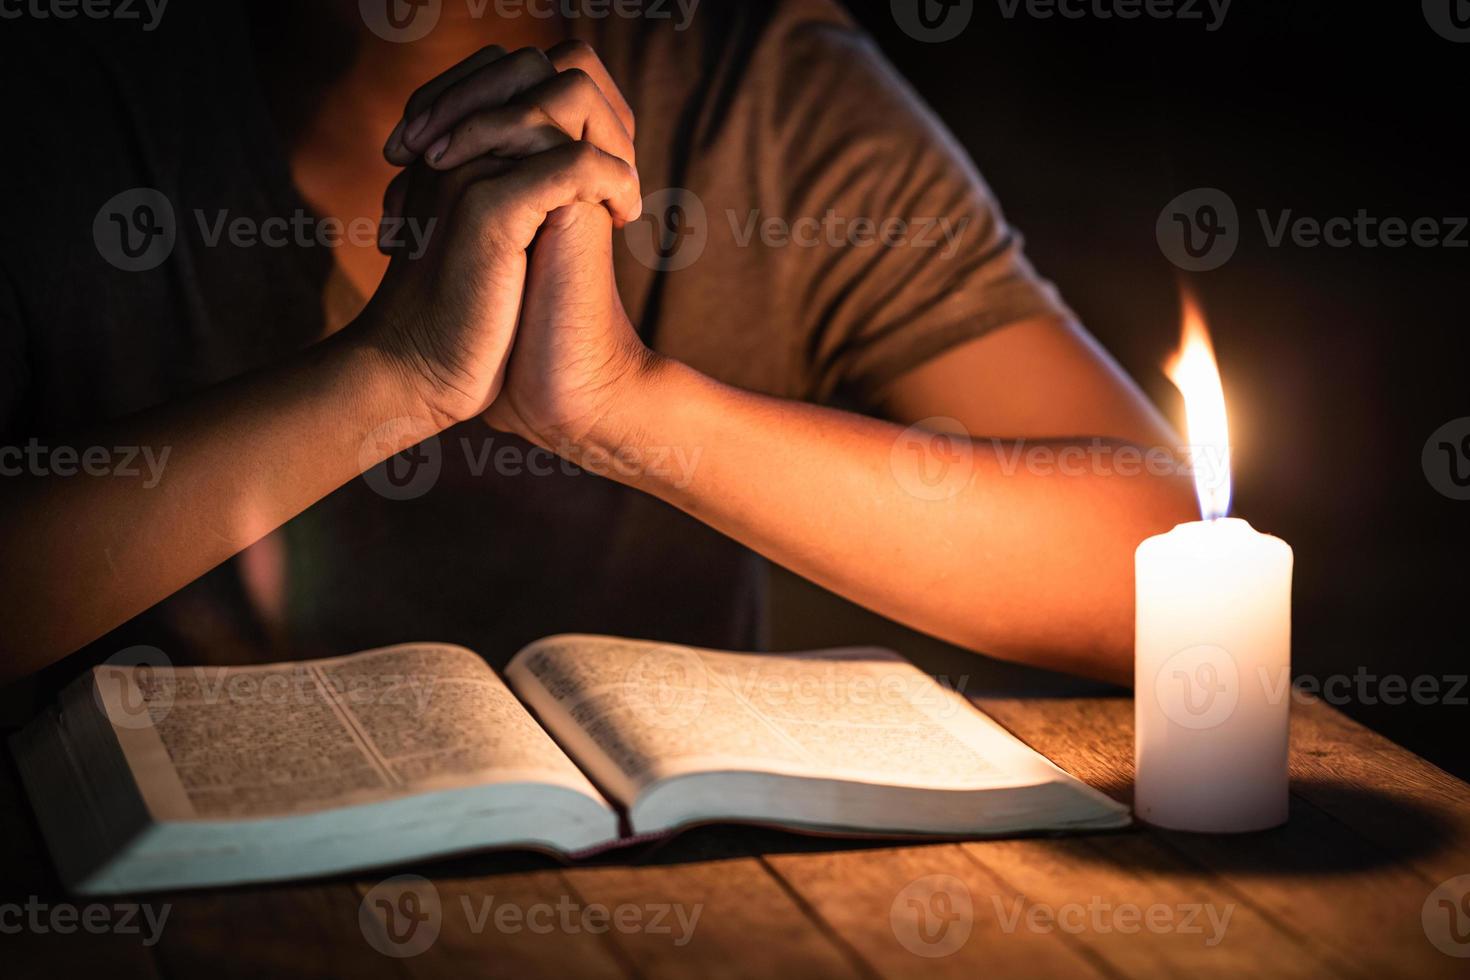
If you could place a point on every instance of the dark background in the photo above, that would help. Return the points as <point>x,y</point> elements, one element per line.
<point>1338,363</point>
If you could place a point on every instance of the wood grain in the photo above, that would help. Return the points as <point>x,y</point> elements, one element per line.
<point>1122,898</point>
<point>748,924</point>
<point>517,924</point>
<point>303,930</point>
<point>1337,892</point>
<point>881,903</point>
<point>1354,901</point>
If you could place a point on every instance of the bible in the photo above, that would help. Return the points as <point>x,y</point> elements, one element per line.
<point>147,778</point>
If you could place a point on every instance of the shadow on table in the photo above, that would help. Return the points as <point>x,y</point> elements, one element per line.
<point>1335,828</point>
<point>713,842</point>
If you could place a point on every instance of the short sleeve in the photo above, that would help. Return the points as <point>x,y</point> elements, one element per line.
<point>915,256</point>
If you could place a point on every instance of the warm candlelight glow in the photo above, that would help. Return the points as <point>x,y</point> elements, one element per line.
<point>1195,373</point>
<point>1212,626</point>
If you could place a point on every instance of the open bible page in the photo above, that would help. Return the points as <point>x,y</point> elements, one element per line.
<point>231,743</point>
<point>635,713</point>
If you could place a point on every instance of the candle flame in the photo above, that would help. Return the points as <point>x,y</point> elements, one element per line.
<point>1195,373</point>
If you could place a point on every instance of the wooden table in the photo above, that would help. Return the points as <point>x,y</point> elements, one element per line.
<point>1341,891</point>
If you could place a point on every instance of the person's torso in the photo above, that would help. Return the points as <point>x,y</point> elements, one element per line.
<point>475,538</point>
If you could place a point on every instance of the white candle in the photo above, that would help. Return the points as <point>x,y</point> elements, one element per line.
<point>1212,676</point>
<point>1212,667</point>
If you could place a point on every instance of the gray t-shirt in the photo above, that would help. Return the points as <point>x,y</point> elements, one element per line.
<point>791,150</point>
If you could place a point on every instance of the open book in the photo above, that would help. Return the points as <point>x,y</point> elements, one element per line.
<point>147,778</point>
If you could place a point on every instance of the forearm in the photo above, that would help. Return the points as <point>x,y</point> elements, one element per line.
<point>1002,558</point>
<point>86,553</point>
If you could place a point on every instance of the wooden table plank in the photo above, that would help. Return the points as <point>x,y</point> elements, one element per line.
<point>1121,897</point>
<point>1383,791</point>
<point>520,924</point>
<point>1337,892</point>
<point>899,908</point>
<point>1406,806</point>
<point>1370,901</point>
<point>747,923</point>
<point>1323,880</point>
<point>303,930</point>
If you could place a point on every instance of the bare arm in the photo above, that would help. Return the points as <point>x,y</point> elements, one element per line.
<point>1009,558</point>
<point>1027,558</point>
<point>1002,553</point>
<point>1004,558</point>
<point>86,553</point>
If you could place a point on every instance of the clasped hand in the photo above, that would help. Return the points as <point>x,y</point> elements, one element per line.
<point>525,163</point>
